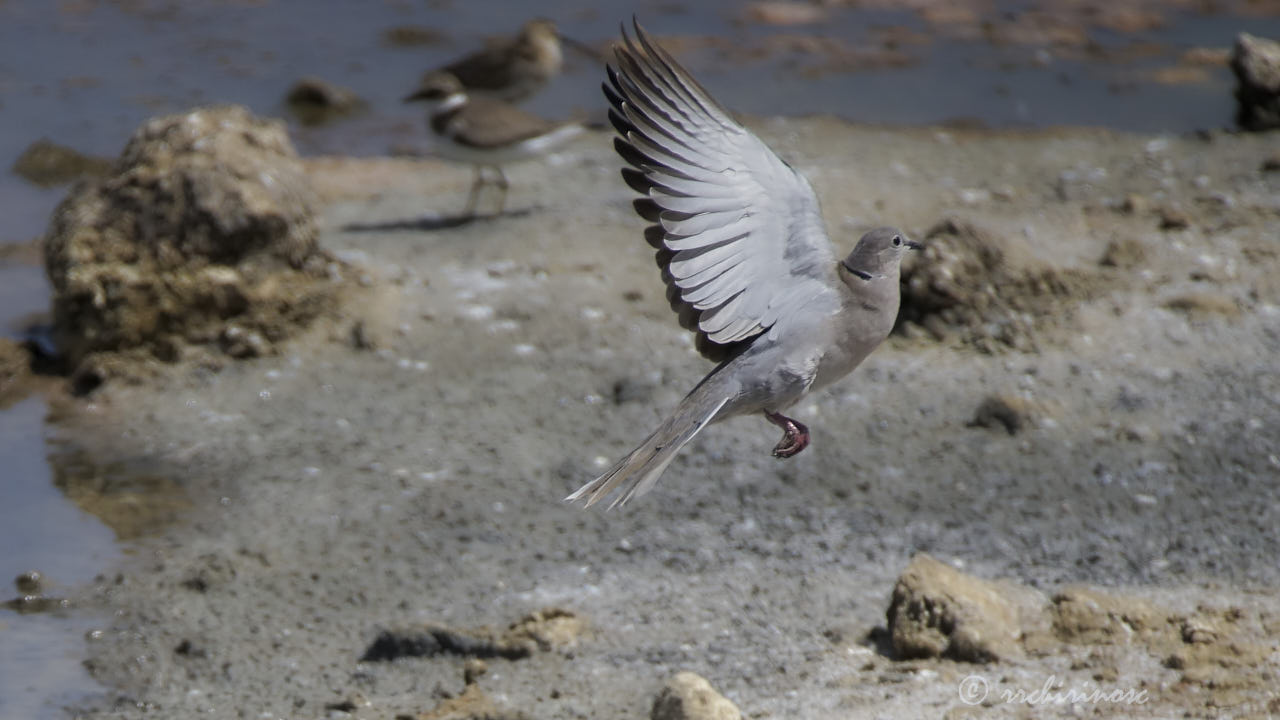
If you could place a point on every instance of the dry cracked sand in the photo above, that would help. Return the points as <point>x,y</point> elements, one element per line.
<point>1095,402</point>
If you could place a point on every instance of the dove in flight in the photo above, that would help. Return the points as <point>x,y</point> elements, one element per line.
<point>746,260</point>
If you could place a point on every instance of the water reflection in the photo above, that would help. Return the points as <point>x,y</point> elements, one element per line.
<point>41,653</point>
<point>65,513</point>
<point>130,496</point>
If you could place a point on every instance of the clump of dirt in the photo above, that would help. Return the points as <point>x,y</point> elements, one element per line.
<point>203,235</point>
<point>982,289</point>
<point>542,631</point>
<point>1088,617</point>
<point>1224,657</point>
<point>1215,650</point>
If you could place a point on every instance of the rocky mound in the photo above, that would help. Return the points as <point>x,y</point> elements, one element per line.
<point>1256,64</point>
<point>981,288</point>
<point>204,234</point>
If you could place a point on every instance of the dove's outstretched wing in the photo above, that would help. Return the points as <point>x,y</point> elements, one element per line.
<point>739,234</point>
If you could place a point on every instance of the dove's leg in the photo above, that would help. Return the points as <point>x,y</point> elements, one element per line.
<point>795,436</point>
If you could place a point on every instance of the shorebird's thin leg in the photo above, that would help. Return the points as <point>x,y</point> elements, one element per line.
<point>474,195</point>
<point>502,186</point>
<point>795,436</point>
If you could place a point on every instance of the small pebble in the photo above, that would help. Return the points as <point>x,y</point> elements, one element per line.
<point>29,583</point>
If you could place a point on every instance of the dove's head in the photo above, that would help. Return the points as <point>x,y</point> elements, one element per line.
<point>878,254</point>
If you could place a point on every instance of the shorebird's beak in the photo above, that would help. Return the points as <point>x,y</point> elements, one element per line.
<point>912,245</point>
<point>415,96</point>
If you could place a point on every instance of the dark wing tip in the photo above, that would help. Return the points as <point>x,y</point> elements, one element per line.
<point>636,180</point>
<point>619,124</point>
<point>647,209</point>
<point>632,156</point>
<point>655,235</point>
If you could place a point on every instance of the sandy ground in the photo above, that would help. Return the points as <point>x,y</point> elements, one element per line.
<point>338,491</point>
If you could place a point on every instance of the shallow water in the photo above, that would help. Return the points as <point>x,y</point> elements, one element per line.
<point>40,529</point>
<point>85,74</point>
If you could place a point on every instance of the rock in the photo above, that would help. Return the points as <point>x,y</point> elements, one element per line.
<point>688,696</point>
<point>1013,413</point>
<point>938,611</point>
<point>315,101</point>
<point>1088,617</point>
<point>1256,64</point>
<point>46,163</point>
<point>206,224</point>
<point>1271,163</point>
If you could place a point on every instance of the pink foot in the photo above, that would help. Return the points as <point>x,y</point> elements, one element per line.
<point>795,436</point>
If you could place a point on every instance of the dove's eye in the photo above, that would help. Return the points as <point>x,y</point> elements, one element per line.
<point>897,240</point>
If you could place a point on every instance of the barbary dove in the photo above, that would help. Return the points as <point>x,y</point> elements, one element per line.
<point>746,260</point>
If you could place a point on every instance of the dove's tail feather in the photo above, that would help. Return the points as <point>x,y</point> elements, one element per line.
<point>641,469</point>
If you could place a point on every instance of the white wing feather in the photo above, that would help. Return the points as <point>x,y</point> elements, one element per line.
<point>748,243</point>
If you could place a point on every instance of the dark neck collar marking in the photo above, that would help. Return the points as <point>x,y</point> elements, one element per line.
<point>863,275</point>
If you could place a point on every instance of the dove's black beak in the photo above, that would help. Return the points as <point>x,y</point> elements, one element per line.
<point>912,245</point>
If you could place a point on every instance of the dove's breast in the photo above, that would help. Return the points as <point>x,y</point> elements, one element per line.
<point>864,322</point>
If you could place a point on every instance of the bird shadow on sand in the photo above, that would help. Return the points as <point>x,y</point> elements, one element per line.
<point>433,222</point>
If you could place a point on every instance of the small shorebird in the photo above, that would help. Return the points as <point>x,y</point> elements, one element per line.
<point>484,132</point>
<point>746,260</point>
<point>514,68</point>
